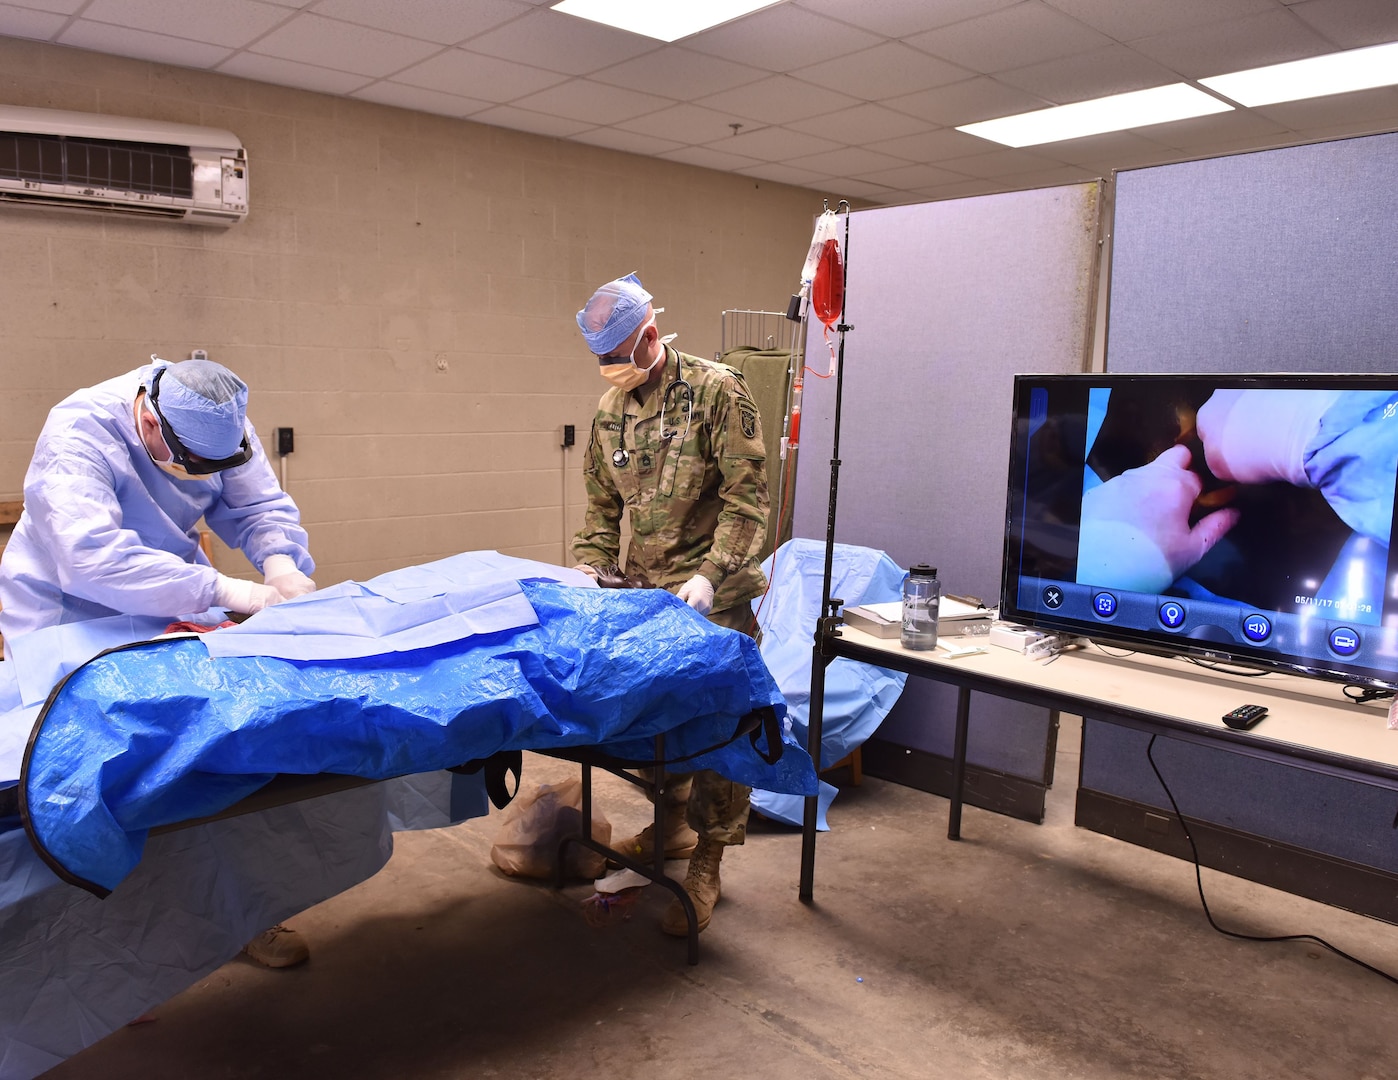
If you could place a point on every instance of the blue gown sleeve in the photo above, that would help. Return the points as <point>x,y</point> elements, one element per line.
<point>256,516</point>
<point>1353,458</point>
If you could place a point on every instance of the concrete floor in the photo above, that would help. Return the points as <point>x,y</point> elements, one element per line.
<point>1025,951</point>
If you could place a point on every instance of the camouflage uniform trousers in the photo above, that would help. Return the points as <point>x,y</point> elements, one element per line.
<point>715,807</point>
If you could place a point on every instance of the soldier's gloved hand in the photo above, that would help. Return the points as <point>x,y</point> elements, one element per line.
<point>698,593</point>
<point>279,571</point>
<point>244,597</point>
<point>590,571</point>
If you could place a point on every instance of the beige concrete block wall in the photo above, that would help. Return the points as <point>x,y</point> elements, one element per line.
<point>401,295</point>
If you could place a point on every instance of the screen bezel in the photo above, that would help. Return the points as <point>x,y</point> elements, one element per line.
<point>1161,642</point>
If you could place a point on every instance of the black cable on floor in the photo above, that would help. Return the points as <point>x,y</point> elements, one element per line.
<point>1199,881</point>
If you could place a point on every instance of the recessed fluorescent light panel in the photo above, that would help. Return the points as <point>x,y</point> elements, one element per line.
<point>665,20</point>
<point>1337,73</point>
<point>1139,108</point>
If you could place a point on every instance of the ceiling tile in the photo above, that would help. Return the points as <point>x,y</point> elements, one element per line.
<point>1351,24</point>
<point>846,161</point>
<point>860,189</point>
<point>687,124</point>
<point>708,158</point>
<point>1058,177</point>
<point>270,69</point>
<point>781,38</point>
<point>861,125</point>
<point>229,22</point>
<point>982,98</point>
<point>1237,45</point>
<point>931,146</point>
<point>1201,130</point>
<point>774,144</point>
<point>1146,18</point>
<point>883,71</point>
<point>683,74</point>
<point>58,7</point>
<point>582,99</point>
<point>558,42</point>
<point>784,174</point>
<point>141,44</point>
<point>777,100</point>
<point>1015,37</point>
<point>416,97</point>
<point>967,189</point>
<point>914,177</point>
<point>446,22</point>
<point>24,23</point>
<point>470,74</point>
<point>1229,147</point>
<point>627,141</point>
<point>1095,149</point>
<point>1365,109</point>
<point>899,18</point>
<point>310,39</point>
<point>509,116</point>
<point>1113,70</point>
<point>1002,163</point>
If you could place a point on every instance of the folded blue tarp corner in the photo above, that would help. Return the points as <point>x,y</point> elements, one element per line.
<point>162,732</point>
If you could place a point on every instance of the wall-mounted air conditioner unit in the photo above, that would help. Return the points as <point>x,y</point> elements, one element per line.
<point>113,165</point>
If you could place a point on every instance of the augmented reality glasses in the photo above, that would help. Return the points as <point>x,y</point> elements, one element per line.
<point>180,455</point>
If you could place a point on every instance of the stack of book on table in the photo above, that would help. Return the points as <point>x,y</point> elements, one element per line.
<point>955,618</point>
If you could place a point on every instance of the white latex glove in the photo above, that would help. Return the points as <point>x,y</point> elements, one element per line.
<point>698,593</point>
<point>279,571</point>
<point>245,597</point>
<point>590,571</point>
<point>1135,531</point>
<point>1255,436</point>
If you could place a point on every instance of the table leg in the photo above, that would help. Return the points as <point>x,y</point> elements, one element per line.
<point>958,762</point>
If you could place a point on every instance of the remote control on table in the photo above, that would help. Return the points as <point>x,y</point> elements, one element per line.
<point>1244,716</point>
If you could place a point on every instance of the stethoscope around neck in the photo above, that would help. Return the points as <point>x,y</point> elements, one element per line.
<point>621,457</point>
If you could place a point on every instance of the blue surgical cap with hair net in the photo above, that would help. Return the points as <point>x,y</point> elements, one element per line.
<point>206,404</point>
<point>613,314</point>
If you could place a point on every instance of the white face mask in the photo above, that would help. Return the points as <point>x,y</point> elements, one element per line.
<point>628,376</point>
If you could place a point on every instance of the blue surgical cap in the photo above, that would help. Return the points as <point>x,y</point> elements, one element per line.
<point>206,404</point>
<point>613,314</point>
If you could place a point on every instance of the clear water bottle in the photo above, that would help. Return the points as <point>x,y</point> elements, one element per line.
<point>922,600</point>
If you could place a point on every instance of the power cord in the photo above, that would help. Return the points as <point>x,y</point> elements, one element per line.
<point>1199,881</point>
<point>1365,693</point>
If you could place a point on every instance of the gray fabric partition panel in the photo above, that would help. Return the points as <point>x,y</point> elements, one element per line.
<point>1278,260</point>
<point>1347,817</point>
<point>948,301</point>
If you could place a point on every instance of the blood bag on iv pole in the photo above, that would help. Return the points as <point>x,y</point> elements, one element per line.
<point>823,287</point>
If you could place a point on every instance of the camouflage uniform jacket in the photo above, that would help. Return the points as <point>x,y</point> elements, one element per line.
<point>698,500</point>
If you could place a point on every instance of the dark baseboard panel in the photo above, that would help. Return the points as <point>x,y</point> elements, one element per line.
<point>1351,886</point>
<point>1013,796</point>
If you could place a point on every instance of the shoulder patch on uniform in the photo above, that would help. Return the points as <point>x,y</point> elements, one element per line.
<point>747,416</point>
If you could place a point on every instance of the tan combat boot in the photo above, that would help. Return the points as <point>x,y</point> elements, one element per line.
<point>679,842</point>
<point>702,884</point>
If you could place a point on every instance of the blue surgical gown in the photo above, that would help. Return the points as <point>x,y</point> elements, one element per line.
<point>105,532</point>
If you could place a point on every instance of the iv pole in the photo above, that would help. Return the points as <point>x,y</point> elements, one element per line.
<point>828,620</point>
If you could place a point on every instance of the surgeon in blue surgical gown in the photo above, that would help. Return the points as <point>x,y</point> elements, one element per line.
<point>121,476</point>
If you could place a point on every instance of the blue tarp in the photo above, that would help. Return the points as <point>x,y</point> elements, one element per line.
<point>857,696</point>
<point>162,732</point>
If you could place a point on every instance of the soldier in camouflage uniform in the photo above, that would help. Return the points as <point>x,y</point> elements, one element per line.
<point>676,444</point>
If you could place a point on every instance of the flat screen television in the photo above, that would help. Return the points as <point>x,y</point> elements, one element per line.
<point>1236,518</point>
